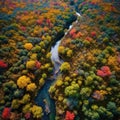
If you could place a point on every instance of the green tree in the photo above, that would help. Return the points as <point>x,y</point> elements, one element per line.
<point>72,90</point>
<point>85,92</point>
<point>27,108</point>
<point>15,104</point>
<point>25,99</point>
<point>111,106</point>
<point>65,67</point>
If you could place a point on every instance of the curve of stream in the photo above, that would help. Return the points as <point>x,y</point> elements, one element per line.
<point>43,98</point>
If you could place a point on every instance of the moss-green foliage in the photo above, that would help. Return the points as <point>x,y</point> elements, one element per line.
<point>85,92</point>
<point>36,111</point>
<point>72,91</point>
<point>65,67</point>
<point>94,47</point>
<point>3,39</point>
<point>15,104</point>
<point>27,32</point>
<point>27,108</point>
<point>25,99</point>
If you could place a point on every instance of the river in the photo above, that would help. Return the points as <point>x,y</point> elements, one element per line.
<point>43,93</point>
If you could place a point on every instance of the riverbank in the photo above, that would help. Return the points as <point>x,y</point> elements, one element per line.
<point>43,94</point>
<point>89,82</point>
<point>87,86</point>
<point>28,29</point>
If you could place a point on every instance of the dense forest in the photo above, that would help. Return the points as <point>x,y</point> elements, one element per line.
<point>86,85</point>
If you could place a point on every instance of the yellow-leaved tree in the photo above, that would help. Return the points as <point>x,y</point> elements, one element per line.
<point>69,53</point>
<point>37,111</point>
<point>30,64</point>
<point>25,99</point>
<point>61,49</point>
<point>65,67</point>
<point>31,87</point>
<point>26,108</point>
<point>28,46</point>
<point>23,81</point>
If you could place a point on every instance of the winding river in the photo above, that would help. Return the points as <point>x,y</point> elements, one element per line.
<point>43,98</point>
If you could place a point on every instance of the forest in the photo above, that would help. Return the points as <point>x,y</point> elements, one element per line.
<point>82,82</point>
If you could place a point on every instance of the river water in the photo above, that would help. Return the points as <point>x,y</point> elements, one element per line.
<point>43,93</point>
<point>54,50</point>
<point>55,55</point>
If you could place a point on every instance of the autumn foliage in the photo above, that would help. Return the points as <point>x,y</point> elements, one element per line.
<point>2,64</point>
<point>69,116</point>
<point>86,86</point>
<point>104,71</point>
<point>6,113</point>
